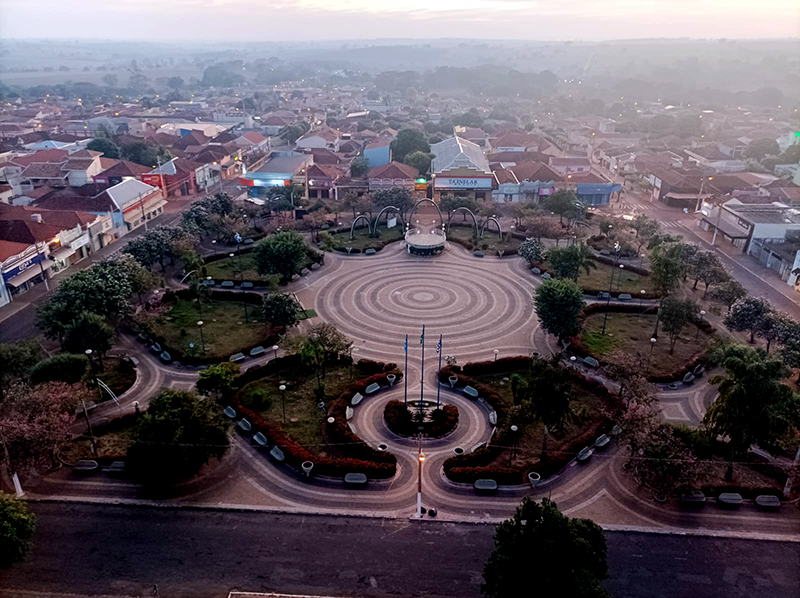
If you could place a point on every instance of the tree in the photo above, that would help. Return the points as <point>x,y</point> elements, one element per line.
<point>662,462</point>
<point>646,228</point>
<point>775,326</point>
<point>705,266</point>
<point>111,80</point>
<point>419,160</point>
<point>144,153</point>
<point>17,526</point>
<point>175,82</point>
<point>753,406</point>
<point>281,253</point>
<point>16,361</point>
<point>399,197</point>
<point>359,166</point>
<point>547,397</point>
<point>561,202</point>
<point>291,133</point>
<point>565,556</point>
<point>568,262</point>
<point>64,367</point>
<point>558,305</point>
<point>322,344</point>
<point>667,267</point>
<point>88,331</point>
<point>791,155</point>
<point>747,315</point>
<point>176,436</point>
<point>546,228</point>
<point>108,148</point>
<point>281,310</point>
<point>761,147</point>
<point>605,226</point>
<point>217,379</point>
<point>531,250</point>
<point>728,292</point>
<point>407,142</point>
<point>675,315</point>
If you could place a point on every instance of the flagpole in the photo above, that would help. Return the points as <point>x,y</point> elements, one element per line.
<point>439,377</point>
<point>405,376</point>
<point>422,373</point>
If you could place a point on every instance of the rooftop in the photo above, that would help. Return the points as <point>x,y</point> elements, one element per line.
<point>456,152</point>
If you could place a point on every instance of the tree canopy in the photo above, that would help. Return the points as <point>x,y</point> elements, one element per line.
<point>747,315</point>
<point>407,142</point>
<point>280,253</point>
<point>17,526</point>
<point>281,310</point>
<point>107,147</point>
<point>558,305</point>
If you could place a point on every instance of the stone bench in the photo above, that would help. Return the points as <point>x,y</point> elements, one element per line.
<point>315,266</point>
<point>85,467</point>
<point>730,499</point>
<point>304,271</point>
<point>585,454</point>
<point>591,362</point>
<point>257,351</point>
<point>260,439</point>
<point>602,442</point>
<point>546,276</point>
<point>625,297</point>
<point>372,388</point>
<point>209,283</point>
<point>248,241</point>
<point>117,468</point>
<point>604,295</point>
<point>237,357</point>
<point>348,413</point>
<point>227,284</point>
<point>694,498</point>
<point>471,392</point>
<point>156,348</point>
<point>370,251</point>
<point>493,418</point>
<point>355,480</point>
<point>165,357</point>
<point>244,425</point>
<point>246,285</point>
<point>485,486</point>
<point>277,454</point>
<point>357,398</point>
<point>229,412</point>
<point>478,253</point>
<point>688,378</point>
<point>768,502</point>
<point>536,270</point>
<point>295,277</point>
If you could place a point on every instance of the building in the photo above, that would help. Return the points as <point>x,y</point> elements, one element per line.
<point>280,170</point>
<point>178,177</point>
<point>273,124</point>
<point>748,226</point>
<point>567,166</point>
<point>460,169</point>
<point>378,152</point>
<point>324,137</point>
<point>393,174</point>
<point>711,159</point>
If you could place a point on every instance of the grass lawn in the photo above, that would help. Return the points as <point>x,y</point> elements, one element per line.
<point>361,239</point>
<point>490,239</point>
<point>112,441</point>
<point>224,329</point>
<point>631,334</point>
<point>598,279</point>
<point>228,269</point>
<point>589,409</point>
<point>304,418</point>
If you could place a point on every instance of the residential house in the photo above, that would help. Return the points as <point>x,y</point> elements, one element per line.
<point>472,134</point>
<point>280,170</point>
<point>324,137</point>
<point>749,226</point>
<point>378,152</point>
<point>273,124</point>
<point>570,165</point>
<point>710,159</point>
<point>120,171</point>
<point>177,177</point>
<point>322,181</point>
<point>393,174</point>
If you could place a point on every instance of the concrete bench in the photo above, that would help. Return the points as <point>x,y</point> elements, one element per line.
<point>357,398</point>
<point>248,241</point>
<point>585,454</point>
<point>348,413</point>
<point>493,418</point>
<point>85,467</point>
<point>602,442</point>
<point>694,498</point>
<point>546,276</point>
<point>370,251</point>
<point>485,486</point>
<point>372,388</point>
<point>257,351</point>
<point>237,357</point>
<point>260,439</point>
<point>227,284</point>
<point>536,270</point>
<point>768,502</point>
<point>315,266</point>
<point>156,348</point>
<point>688,378</point>
<point>478,253</point>
<point>165,357</point>
<point>209,283</point>
<point>304,271</point>
<point>591,362</point>
<point>730,499</point>
<point>625,297</point>
<point>277,454</point>
<point>229,412</point>
<point>117,468</point>
<point>605,295</point>
<point>471,392</point>
<point>246,285</point>
<point>244,425</point>
<point>355,480</point>
<point>295,277</point>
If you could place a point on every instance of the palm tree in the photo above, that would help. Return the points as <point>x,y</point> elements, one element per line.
<point>584,258</point>
<point>549,394</point>
<point>753,406</point>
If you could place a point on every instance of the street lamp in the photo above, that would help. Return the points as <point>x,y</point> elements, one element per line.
<point>653,342</point>
<point>275,352</point>
<point>202,338</point>
<point>611,284</point>
<point>642,293</point>
<point>697,334</point>
<point>282,388</point>
<point>513,452</point>
<point>241,282</point>
<point>496,351</point>
<point>420,460</point>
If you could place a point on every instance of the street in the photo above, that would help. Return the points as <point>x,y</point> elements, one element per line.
<point>116,550</point>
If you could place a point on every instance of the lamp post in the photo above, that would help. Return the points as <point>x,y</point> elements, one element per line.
<point>611,284</point>
<point>513,452</point>
<point>241,281</point>
<point>85,411</point>
<point>282,388</point>
<point>619,282</point>
<point>697,334</point>
<point>202,338</point>
<point>420,460</point>
<point>653,342</point>
<point>274,352</point>
<point>642,293</point>
<point>496,351</point>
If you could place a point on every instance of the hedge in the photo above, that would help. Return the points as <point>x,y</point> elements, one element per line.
<point>398,419</point>
<point>370,366</point>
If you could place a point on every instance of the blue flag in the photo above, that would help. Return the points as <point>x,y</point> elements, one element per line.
<point>405,345</point>
<point>439,344</point>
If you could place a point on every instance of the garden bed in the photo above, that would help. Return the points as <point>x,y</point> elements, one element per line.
<point>242,267</point>
<point>119,374</point>
<point>400,420</point>
<point>361,239</point>
<point>490,243</point>
<point>598,280</point>
<point>112,442</point>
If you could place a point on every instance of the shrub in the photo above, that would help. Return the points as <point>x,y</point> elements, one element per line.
<point>696,440</point>
<point>400,420</point>
<point>370,366</point>
<point>66,367</point>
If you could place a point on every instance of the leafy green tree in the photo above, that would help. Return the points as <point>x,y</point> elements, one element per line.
<point>359,166</point>
<point>558,305</point>
<point>321,345</point>
<point>562,203</point>
<point>531,250</point>
<point>17,526</point>
<point>400,198</point>
<point>419,160</point>
<point>569,261</point>
<point>144,153</point>
<point>281,253</point>
<point>175,82</point>
<point>541,545</point>
<point>217,379</point>
<point>747,316</point>
<point>728,292</point>
<point>759,148</point>
<point>753,406</point>
<point>64,367</point>
<point>293,132</point>
<point>407,142</point>
<point>88,331</point>
<point>663,462</point>
<point>108,148</point>
<point>775,327</point>
<point>706,266</point>
<point>16,361</point>
<point>175,437</point>
<point>675,315</point>
<point>281,310</point>
<point>605,226</point>
<point>646,228</point>
<point>548,396</point>
<point>791,155</point>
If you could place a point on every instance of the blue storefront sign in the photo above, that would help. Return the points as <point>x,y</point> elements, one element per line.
<point>22,266</point>
<point>596,194</point>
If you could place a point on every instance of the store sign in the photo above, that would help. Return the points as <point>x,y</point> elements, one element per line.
<point>463,183</point>
<point>22,266</point>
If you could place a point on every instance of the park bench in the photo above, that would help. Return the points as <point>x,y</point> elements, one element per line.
<point>244,425</point>
<point>585,454</point>
<point>471,392</point>
<point>536,270</point>
<point>246,285</point>
<point>229,412</point>
<point>209,283</point>
<point>85,467</point>
<point>546,276</point>
<point>602,442</point>
<point>605,295</point>
<point>304,271</point>
<point>349,412</point>
<point>237,357</point>
<point>485,486</point>
<point>370,251</point>
<point>478,253</point>
<point>143,338</point>
<point>768,502</point>
<point>315,266</point>
<point>248,241</point>
<point>699,371</point>
<point>694,498</point>
<point>260,439</point>
<point>372,388</point>
<point>227,284</point>
<point>277,454</point>
<point>625,297</point>
<point>493,418</point>
<point>355,480</point>
<point>591,362</point>
<point>688,378</point>
<point>730,499</point>
<point>156,348</point>
<point>165,357</point>
<point>116,468</point>
<point>478,446</point>
<point>295,277</point>
<point>357,398</point>
<point>255,352</point>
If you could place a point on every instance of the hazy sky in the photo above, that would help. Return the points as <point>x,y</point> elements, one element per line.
<point>288,20</point>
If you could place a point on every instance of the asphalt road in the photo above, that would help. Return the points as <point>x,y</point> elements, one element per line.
<point>115,550</point>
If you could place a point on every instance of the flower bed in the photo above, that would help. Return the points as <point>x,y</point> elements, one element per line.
<point>398,418</point>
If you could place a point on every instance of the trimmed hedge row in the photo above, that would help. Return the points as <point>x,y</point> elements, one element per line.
<point>370,366</point>
<point>398,418</point>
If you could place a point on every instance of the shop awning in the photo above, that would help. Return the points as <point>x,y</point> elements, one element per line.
<point>31,272</point>
<point>62,253</point>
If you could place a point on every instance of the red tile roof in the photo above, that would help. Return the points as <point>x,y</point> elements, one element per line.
<point>254,137</point>
<point>10,248</point>
<point>393,170</point>
<point>51,155</point>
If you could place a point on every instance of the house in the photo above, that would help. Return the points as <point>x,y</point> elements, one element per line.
<point>325,156</point>
<point>121,170</point>
<point>472,134</point>
<point>749,226</point>
<point>378,152</point>
<point>324,137</point>
<point>460,169</point>
<point>517,142</point>
<point>177,178</point>
<point>393,174</point>
<point>322,181</point>
<point>711,159</point>
<point>280,170</point>
<point>252,142</point>
<point>273,124</point>
<point>567,166</point>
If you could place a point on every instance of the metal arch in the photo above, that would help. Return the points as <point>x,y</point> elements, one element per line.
<point>378,219</point>
<point>468,211</point>
<point>416,205</point>
<point>353,226</point>
<point>499,230</point>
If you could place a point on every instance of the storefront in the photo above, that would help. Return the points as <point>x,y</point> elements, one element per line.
<point>470,186</point>
<point>460,170</point>
<point>24,274</point>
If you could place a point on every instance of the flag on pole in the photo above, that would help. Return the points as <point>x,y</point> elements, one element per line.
<point>405,345</point>
<point>422,336</point>
<point>439,344</point>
